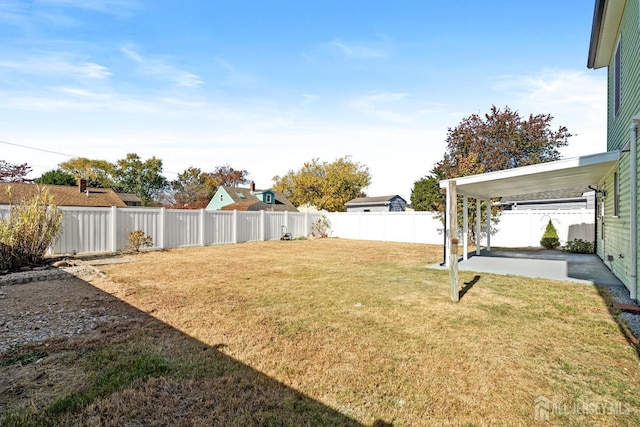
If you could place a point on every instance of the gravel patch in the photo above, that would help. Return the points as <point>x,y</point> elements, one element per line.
<point>620,294</point>
<point>48,322</point>
<point>45,273</point>
<point>30,313</point>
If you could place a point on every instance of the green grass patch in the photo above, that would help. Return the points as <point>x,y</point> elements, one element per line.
<point>111,370</point>
<point>23,359</point>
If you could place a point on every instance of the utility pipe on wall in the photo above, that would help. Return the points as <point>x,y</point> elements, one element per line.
<point>633,220</point>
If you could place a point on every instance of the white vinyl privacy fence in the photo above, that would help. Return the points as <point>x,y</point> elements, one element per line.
<point>94,230</point>
<point>514,229</point>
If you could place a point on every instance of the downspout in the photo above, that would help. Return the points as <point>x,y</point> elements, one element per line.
<point>633,182</point>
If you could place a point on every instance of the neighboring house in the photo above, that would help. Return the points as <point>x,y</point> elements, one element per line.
<point>63,195</point>
<point>130,199</point>
<point>393,203</point>
<point>570,198</point>
<point>249,199</point>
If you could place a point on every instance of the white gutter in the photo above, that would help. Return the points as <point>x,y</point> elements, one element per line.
<point>633,220</point>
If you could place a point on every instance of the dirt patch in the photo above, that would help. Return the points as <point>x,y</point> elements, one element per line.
<point>43,326</point>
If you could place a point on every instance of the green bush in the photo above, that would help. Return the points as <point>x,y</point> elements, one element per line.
<point>550,239</point>
<point>578,246</point>
<point>33,225</point>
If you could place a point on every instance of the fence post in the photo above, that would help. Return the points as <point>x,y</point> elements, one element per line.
<point>453,237</point>
<point>234,236</point>
<point>465,227</point>
<point>478,225</point>
<point>161,229</point>
<point>488,225</point>
<point>114,229</point>
<point>286,219</point>
<point>532,241</point>
<point>262,226</point>
<point>202,227</point>
<point>384,226</point>
<point>306,223</point>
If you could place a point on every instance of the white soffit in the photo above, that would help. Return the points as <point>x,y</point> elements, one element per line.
<point>609,32</point>
<point>558,175</point>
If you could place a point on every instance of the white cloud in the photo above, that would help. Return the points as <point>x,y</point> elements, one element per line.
<point>309,99</point>
<point>162,68</point>
<point>131,54</point>
<point>576,99</point>
<point>355,50</point>
<point>233,76</point>
<point>13,12</point>
<point>58,64</point>
<point>118,8</point>
<point>395,107</point>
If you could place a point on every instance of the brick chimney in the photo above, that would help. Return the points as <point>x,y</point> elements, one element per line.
<point>82,185</point>
<point>252,187</point>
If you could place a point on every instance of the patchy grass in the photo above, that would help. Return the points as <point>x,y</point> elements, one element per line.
<point>357,332</point>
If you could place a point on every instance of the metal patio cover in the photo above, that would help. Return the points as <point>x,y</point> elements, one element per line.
<point>558,175</point>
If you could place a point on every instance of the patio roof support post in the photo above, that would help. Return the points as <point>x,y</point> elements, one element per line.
<point>465,227</point>
<point>478,225</point>
<point>447,225</point>
<point>633,220</point>
<point>488,225</point>
<point>453,239</point>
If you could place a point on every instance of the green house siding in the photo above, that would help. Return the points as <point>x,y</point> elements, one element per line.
<point>629,36</point>
<point>266,196</point>
<point>219,200</point>
<point>616,249</point>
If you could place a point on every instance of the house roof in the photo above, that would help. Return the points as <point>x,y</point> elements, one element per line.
<point>63,195</point>
<point>247,206</point>
<point>607,15</point>
<point>379,200</point>
<point>575,193</point>
<point>558,175</point>
<point>243,195</point>
<point>128,197</point>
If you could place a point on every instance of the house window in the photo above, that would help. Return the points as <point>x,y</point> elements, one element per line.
<point>616,194</point>
<point>222,197</point>
<point>268,199</point>
<point>617,92</point>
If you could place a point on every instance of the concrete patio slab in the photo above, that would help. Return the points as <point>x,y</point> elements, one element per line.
<point>554,265</point>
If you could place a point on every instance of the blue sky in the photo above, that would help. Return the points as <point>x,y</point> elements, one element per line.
<point>265,86</point>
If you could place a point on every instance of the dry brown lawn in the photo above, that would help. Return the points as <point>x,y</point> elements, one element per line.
<point>369,333</point>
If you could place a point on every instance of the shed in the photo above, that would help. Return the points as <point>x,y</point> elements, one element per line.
<point>393,203</point>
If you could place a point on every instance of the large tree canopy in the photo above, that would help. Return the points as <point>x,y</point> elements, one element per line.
<point>142,178</point>
<point>56,177</point>
<point>193,188</point>
<point>128,175</point>
<point>325,185</point>
<point>499,140</point>
<point>98,173</point>
<point>226,175</point>
<point>425,195</point>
